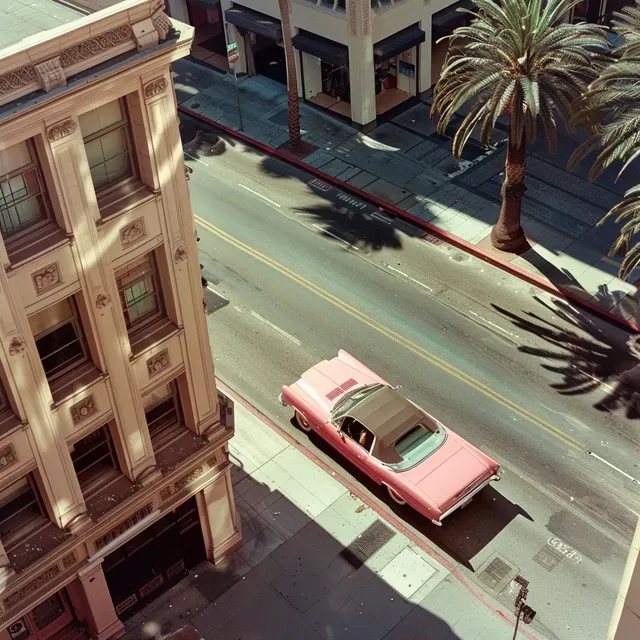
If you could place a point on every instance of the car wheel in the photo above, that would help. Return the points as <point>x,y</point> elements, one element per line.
<point>302,422</point>
<point>395,497</point>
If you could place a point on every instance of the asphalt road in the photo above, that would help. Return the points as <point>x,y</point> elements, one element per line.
<point>298,270</point>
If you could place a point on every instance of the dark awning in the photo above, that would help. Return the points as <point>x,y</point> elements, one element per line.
<point>323,48</point>
<point>397,43</point>
<point>254,21</point>
<point>450,18</point>
<point>207,4</point>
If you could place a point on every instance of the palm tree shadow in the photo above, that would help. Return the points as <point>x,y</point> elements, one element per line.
<point>355,228</point>
<point>584,355</point>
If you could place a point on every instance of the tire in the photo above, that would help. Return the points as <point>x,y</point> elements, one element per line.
<point>302,422</point>
<point>395,497</point>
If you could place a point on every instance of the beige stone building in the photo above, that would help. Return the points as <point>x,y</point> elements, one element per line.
<point>114,469</point>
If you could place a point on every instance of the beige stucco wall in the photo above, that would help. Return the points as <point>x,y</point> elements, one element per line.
<point>625,621</point>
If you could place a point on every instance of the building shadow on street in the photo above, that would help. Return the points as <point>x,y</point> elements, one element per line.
<point>464,534</point>
<point>328,577</point>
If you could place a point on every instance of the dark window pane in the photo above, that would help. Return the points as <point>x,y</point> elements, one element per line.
<point>48,611</point>
<point>59,348</point>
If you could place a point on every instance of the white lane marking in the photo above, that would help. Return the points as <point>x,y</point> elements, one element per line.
<point>379,216</point>
<point>282,332</point>
<point>255,193</point>
<point>216,292</point>
<point>624,473</point>
<point>196,159</point>
<point>408,277</point>
<point>333,235</point>
<point>508,334</point>
<point>562,547</point>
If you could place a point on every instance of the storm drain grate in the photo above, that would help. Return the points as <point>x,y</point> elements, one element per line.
<point>364,546</point>
<point>495,573</point>
<point>548,558</point>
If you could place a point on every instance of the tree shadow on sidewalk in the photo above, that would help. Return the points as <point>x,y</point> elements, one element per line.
<point>587,356</point>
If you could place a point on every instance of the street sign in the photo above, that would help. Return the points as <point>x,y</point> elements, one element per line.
<point>232,52</point>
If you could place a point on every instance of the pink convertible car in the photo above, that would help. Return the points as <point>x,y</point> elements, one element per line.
<point>396,443</point>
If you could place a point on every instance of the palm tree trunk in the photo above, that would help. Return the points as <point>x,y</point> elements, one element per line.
<point>295,141</point>
<point>508,235</point>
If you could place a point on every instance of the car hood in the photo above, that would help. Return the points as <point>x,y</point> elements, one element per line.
<point>326,382</point>
<point>448,472</point>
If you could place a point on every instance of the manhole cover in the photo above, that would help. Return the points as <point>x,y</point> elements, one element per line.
<point>195,105</point>
<point>495,573</point>
<point>363,547</point>
<point>548,558</point>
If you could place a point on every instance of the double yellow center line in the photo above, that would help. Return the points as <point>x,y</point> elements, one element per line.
<point>395,337</point>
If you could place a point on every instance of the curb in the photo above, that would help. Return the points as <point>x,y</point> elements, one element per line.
<point>447,237</point>
<point>389,517</point>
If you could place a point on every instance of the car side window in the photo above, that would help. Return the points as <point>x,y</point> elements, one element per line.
<point>357,432</point>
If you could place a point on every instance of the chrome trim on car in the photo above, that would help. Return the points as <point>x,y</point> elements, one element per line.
<point>465,499</point>
<point>282,400</point>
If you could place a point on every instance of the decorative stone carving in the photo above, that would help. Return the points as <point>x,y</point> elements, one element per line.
<point>180,254</point>
<point>94,46</point>
<point>188,479</point>
<point>17,79</point>
<point>353,19</point>
<point>50,74</point>
<point>102,300</point>
<point>187,172</point>
<point>162,24</point>
<point>123,526</point>
<point>8,456</point>
<point>16,346</point>
<point>69,560</point>
<point>132,233</point>
<point>145,34</point>
<point>165,493</point>
<point>46,278</point>
<point>155,87</point>
<point>366,17</point>
<point>80,411</point>
<point>212,463</point>
<point>61,130</point>
<point>30,588</point>
<point>157,363</point>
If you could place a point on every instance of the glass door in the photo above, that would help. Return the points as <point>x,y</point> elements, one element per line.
<point>44,620</point>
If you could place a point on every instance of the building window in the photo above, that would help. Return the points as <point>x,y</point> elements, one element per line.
<point>94,460</point>
<point>139,291</point>
<point>23,201</point>
<point>107,141</point>
<point>21,512</point>
<point>59,338</point>
<point>165,412</point>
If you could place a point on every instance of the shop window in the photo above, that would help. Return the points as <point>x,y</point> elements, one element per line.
<point>59,338</point>
<point>21,512</point>
<point>95,461</point>
<point>23,198</point>
<point>140,294</point>
<point>44,620</point>
<point>107,141</point>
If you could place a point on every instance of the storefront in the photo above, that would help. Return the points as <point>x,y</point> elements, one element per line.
<point>155,559</point>
<point>259,39</point>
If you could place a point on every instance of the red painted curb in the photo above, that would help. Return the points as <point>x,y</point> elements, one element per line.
<point>372,505</point>
<point>449,238</point>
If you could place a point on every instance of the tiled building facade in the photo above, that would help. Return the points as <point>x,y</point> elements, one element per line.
<point>114,470</point>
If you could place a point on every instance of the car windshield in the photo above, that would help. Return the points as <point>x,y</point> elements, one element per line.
<point>418,444</point>
<point>350,399</point>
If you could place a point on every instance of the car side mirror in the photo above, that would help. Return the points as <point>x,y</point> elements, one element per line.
<point>397,387</point>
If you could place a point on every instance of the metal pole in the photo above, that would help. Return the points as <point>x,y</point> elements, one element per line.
<point>515,631</point>
<point>235,75</point>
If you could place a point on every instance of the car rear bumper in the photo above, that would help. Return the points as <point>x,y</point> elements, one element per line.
<point>465,500</point>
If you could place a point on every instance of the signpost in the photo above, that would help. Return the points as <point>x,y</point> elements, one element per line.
<point>233,56</point>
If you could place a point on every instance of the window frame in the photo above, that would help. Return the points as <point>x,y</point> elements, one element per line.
<point>38,501</point>
<point>345,433</point>
<point>125,124</point>
<point>75,321</point>
<point>149,318</point>
<point>43,193</point>
<point>173,397</point>
<point>111,455</point>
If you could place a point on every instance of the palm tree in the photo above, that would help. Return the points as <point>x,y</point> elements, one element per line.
<point>295,140</point>
<point>516,58</point>
<point>610,111</point>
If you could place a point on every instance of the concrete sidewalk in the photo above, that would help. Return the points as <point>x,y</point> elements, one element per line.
<point>316,562</point>
<point>407,164</point>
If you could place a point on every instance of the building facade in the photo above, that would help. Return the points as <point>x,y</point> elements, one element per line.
<point>114,466</point>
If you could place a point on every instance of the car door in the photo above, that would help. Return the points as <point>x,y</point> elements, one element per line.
<point>348,433</point>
